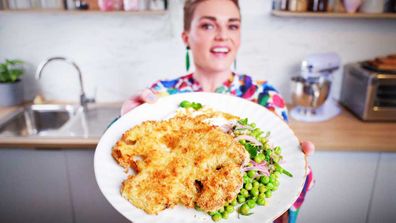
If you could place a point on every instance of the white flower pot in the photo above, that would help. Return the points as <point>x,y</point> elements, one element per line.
<point>11,93</point>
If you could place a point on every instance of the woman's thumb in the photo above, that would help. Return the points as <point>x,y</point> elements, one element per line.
<point>148,96</point>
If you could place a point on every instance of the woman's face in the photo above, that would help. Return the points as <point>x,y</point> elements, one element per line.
<point>214,36</point>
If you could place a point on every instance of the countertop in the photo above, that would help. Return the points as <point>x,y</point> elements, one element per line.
<point>342,133</point>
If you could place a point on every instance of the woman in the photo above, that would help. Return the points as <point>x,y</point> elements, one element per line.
<point>212,33</point>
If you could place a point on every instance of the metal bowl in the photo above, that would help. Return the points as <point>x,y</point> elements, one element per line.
<point>310,93</point>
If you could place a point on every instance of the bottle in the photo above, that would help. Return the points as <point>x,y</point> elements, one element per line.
<point>317,5</point>
<point>302,5</point>
<point>284,5</point>
<point>131,5</point>
<point>293,5</point>
<point>276,4</point>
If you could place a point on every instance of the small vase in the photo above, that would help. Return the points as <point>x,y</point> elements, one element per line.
<point>11,93</point>
<point>351,6</point>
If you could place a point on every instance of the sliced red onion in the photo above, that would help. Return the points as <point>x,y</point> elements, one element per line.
<point>239,126</point>
<point>261,169</point>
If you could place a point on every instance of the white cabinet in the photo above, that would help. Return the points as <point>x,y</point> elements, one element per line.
<point>89,204</point>
<point>34,187</point>
<point>344,182</point>
<point>383,205</point>
<point>47,186</point>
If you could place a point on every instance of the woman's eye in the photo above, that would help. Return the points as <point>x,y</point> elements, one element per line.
<point>233,27</point>
<point>207,26</point>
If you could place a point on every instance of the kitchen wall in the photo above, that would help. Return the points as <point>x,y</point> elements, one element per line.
<point>121,53</point>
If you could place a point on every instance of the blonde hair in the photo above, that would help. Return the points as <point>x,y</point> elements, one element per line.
<point>189,9</point>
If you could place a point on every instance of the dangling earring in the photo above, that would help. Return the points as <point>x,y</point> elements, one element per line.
<point>235,64</point>
<point>187,59</point>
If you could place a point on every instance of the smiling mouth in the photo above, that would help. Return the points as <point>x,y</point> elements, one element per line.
<point>220,50</point>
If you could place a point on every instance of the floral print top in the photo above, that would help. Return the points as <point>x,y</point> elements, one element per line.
<point>240,85</point>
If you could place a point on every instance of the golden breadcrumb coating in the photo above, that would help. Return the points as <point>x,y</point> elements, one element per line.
<point>182,160</point>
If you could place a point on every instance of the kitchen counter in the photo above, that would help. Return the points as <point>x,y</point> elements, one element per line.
<point>343,133</point>
<point>346,132</point>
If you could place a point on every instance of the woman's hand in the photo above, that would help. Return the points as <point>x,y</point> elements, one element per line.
<point>307,147</point>
<point>145,95</point>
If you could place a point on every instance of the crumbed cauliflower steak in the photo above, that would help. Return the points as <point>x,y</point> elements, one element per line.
<point>182,160</point>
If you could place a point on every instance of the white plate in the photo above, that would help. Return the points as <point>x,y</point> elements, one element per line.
<point>109,175</point>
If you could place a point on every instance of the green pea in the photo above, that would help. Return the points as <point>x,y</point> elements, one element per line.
<point>251,203</point>
<point>257,159</point>
<point>246,179</point>
<point>213,213</point>
<point>278,150</point>
<point>256,184</point>
<point>262,188</point>
<point>264,179</point>
<point>277,174</point>
<point>244,192</point>
<point>272,178</point>
<point>270,186</point>
<point>185,104</point>
<point>251,173</point>
<point>233,202</point>
<point>196,106</point>
<point>268,194</point>
<point>225,215</point>
<point>261,201</point>
<point>276,183</point>
<point>254,192</point>
<point>261,196</point>
<point>244,209</point>
<point>248,186</point>
<point>217,217</point>
<point>257,132</point>
<point>229,209</point>
<point>275,188</point>
<point>241,199</point>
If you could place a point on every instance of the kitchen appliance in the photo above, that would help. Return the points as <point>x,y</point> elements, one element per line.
<point>311,89</point>
<point>368,92</point>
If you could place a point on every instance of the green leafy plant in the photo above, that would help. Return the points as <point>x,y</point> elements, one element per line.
<point>10,71</point>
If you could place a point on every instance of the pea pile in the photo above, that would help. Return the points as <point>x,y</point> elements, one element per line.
<point>262,174</point>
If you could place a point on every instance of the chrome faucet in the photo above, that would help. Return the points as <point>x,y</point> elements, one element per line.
<point>83,98</point>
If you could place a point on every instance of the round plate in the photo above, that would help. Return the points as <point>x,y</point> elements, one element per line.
<point>109,175</point>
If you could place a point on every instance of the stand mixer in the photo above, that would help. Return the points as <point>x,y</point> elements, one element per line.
<point>311,90</point>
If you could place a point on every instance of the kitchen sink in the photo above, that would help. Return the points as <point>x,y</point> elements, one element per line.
<point>37,120</point>
<point>58,121</point>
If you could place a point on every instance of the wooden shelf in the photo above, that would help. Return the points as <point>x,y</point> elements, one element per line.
<point>335,15</point>
<point>62,11</point>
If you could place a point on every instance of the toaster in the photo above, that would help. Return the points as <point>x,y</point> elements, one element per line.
<point>370,94</point>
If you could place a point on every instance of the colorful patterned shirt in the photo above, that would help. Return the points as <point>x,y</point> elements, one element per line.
<point>238,84</point>
<point>243,86</point>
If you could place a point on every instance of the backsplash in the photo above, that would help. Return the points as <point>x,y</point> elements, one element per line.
<point>122,53</point>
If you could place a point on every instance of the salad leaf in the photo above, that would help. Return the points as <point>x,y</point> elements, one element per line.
<point>251,149</point>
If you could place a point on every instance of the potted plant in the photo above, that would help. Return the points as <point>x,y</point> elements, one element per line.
<point>11,89</point>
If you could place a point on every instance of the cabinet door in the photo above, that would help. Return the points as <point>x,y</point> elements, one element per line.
<point>383,205</point>
<point>342,192</point>
<point>88,202</point>
<point>34,187</point>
